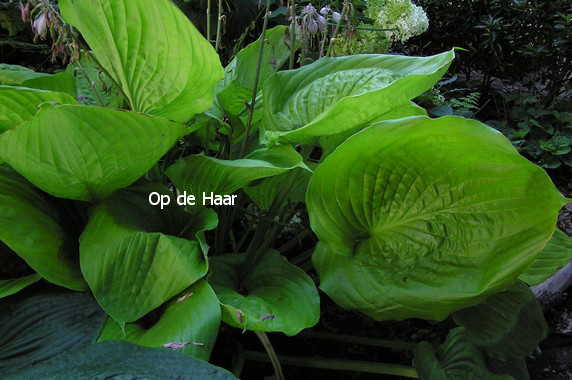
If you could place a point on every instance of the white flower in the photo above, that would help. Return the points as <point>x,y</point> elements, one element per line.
<point>40,25</point>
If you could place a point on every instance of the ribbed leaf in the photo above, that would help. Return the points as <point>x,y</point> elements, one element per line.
<point>331,142</point>
<point>189,323</point>
<point>150,48</point>
<point>126,361</point>
<point>555,255</point>
<point>14,285</point>
<point>43,326</point>
<point>456,359</point>
<point>265,192</point>
<point>30,224</point>
<point>238,84</point>
<point>18,104</point>
<point>333,95</point>
<point>515,368</point>
<point>14,75</point>
<point>87,153</point>
<point>419,217</point>
<point>273,296</point>
<point>198,173</point>
<point>93,86</point>
<point>508,325</point>
<point>135,256</point>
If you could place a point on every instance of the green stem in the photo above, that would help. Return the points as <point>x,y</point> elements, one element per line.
<point>218,25</point>
<point>366,341</point>
<point>338,364</point>
<point>271,354</point>
<point>209,21</point>
<point>296,240</point>
<point>303,257</point>
<point>256,79</point>
<point>292,35</point>
<point>336,30</point>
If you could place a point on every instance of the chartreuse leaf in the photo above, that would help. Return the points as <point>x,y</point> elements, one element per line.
<point>189,323</point>
<point>126,361</point>
<point>265,192</point>
<point>30,225</point>
<point>508,325</point>
<point>87,153</point>
<point>333,95</point>
<point>136,256</point>
<point>331,142</point>
<point>198,173</point>
<point>455,359</point>
<point>239,76</point>
<point>274,295</point>
<point>555,255</point>
<point>419,217</point>
<point>14,75</point>
<point>93,86</point>
<point>14,285</point>
<point>18,104</point>
<point>150,48</point>
<point>43,326</point>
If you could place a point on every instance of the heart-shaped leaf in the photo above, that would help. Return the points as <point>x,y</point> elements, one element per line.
<point>14,75</point>
<point>508,325</point>
<point>555,255</point>
<point>274,295</point>
<point>239,76</point>
<point>30,225</point>
<point>136,256</point>
<point>14,285</point>
<point>18,104</point>
<point>455,359</point>
<point>43,326</point>
<point>189,323</point>
<point>419,217</point>
<point>126,361</point>
<point>150,48</point>
<point>87,153</point>
<point>333,95</point>
<point>331,142</point>
<point>198,173</point>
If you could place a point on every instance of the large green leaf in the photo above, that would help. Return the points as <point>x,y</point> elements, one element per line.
<point>136,256</point>
<point>555,255</point>
<point>455,359</point>
<point>30,225</point>
<point>198,173</point>
<point>264,193</point>
<point>333,95</point>
<point>274,295</point>
<point>189,323</point>
<point>18,104</point>
<point>515,368</point>
<point>14,285</point>
<point>419,217</point>
<point>239,76</point>
<point>43,326</point>
<point>87,153</point>
<point>126,361</point>
<point>14,75</point>
<point>93,86</point>
<point>150,48</point>
<point>329,143</point>
<point>508,325</point>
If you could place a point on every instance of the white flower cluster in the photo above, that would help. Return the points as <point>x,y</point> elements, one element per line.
<point>406,18</point>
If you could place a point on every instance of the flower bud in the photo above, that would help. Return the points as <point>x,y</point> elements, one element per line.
<point>325,10</point>
<point>312,25</point>
<point>41,25</point>
<point>336,16</point>
<point>321,23</point>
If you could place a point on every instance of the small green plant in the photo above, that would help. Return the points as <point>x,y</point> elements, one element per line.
<point>159,203</point>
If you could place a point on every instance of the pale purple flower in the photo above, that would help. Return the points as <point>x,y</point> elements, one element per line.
<point>322,23</point>
<point>336,16</point>
<point>41,25</point>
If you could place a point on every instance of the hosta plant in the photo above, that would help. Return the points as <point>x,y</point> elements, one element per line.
<point>111,200</point>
